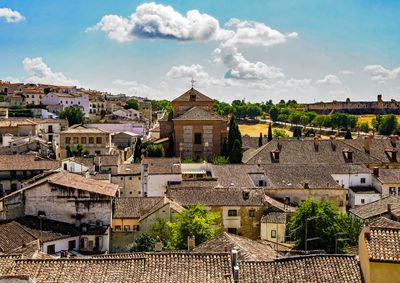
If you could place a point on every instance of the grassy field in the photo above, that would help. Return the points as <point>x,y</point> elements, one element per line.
<point>368,118</point>
<point>255,130</point>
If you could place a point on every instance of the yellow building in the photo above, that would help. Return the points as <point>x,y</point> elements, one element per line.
<point>379,251</point>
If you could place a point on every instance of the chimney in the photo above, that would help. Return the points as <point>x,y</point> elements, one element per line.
<point>316,143</point>
<point>158,245</point>
<point>367,144</point>
<point>235,267</point>
<point>393,140</point>
<point>191,241</point>
<point>275,156</point>
<point>64,254</point>
<point>376,172</point>
<point>389,208</point>
<point>333,142</point>
<point>367,230</point>
<point>280,141</point>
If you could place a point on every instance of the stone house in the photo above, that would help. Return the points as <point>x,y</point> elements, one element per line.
<point>198,132</point>
<point>96,141</point>
<point>17,127</point>
<point>387,181</point>
<point>69,198</point>
<point>128,180</point>
<point>15,169</point>
<point>65,100</point>
<point>130,114</point>
<point>240,209</point>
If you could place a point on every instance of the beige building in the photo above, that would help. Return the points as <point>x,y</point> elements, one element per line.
<point>94,140</point>
<point>273,227</point>
<point>198,132</point>
<point>128,180</point>
<point>379,251</point>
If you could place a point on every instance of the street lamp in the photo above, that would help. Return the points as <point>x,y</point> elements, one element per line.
<point>306,236</point>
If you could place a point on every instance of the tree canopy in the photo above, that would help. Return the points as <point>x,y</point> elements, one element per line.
<point>388,125</point>
<point>195,219</point>
<point>131,104</point>
<point>74,115</point>
<point>326,222</point>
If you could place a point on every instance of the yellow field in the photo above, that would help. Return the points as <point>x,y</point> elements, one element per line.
<point>368,118</point>
<point>255,130</point>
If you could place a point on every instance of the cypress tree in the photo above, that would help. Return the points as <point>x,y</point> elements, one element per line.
<point>269,138</point>
<point>171,149</point>
<point>236,152</point>
<point>225,149</point>
<point>260,140</point>
<point>348,135</point>
<point>137,151</point>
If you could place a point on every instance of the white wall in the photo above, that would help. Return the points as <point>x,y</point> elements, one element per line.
<point>74,166</point>
<point>61,244</point>
<point>355,198</point>
<point>353,180</point>
<point>156,184</point>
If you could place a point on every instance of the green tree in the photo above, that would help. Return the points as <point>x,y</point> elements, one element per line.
<point>364,127</point>
<point>269,138</point>
<point>279,133</point>
<point>143,243</point>
<point>137,151</point>
<point>195,219</point>
<point>161,228</point>
<point>225,148</point>
<point>236,152</point>
<point>324,221</point>
<point>155,150</point>
<point>260,140</point>
<point>273,113</point>
<point>74,115</point>
<point>131,104</point>
<point>348,135</point>
<point>218,159</point>
<point>171,147</point>
<point>388,125</point>
<point>376,122</point>
<point>297,132</point>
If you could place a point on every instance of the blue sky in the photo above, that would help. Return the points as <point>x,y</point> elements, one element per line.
<point>257,50</point>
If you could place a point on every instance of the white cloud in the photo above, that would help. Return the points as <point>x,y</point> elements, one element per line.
<point>134,88</point>
<point>381,74</point>
<point>11,16</point>
<point>183,71</point>
<point>41,73</point>
<point>329,80</point>
<point>347,72</point>
<point>151,20</point>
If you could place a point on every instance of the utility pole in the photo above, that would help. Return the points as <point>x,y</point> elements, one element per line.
<point>306,233</point>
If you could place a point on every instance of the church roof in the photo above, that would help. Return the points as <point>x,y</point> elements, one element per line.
<point>190,93</point>
<point>197,113</point>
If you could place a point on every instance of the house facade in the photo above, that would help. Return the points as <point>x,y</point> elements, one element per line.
<point>80,100</point>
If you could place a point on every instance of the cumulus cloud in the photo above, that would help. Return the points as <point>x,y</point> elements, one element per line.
<point>347,72</point>
<point>183,71</point>
<point>156,21</point>
<point>134,88</point>
<point>11,16</point>
<point>381,74</point>
<point>329,80</point>
<point>151,20</point>
<point>41,73</point>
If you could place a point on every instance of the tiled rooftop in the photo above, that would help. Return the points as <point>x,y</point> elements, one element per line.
<point>193,92</point>
<point>22,162</point>
<point>384,244</point>
<point>134,207</point>
<point>303,269</point>
<point>163,165</point>
<point>376,208</point>
<point>247,249</point>
<point>198,113</point>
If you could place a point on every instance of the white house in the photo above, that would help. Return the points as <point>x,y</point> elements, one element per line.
<point>65,100</point>
<point>157,173</point>
<point>130,114</point>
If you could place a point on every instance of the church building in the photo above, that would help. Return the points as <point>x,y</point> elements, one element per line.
<point>198,131</point>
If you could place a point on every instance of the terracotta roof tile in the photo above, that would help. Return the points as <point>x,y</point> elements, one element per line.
<point>26,162</point>
<point>198,113</point>
<point>134,207</point>
<point>376,208</point>
<point>384,244</point>
<point>193,92</point>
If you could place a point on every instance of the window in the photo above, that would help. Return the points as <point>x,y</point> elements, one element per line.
<point>273,233</point>
<point>197,138</point>
<point>83,140</point>
<point>130,178</point>
<point>75,140</point>
<point>127,228</point>
<point>98,140</point>
<point>232,212</point>
<point>71,245</point>
<point>362,180</point>
<point>362,201</point>
<point>67,140</point>
<point>91,140</point>
<point>98,242</point>
<point>392,191</point>
<point>117,228</point>
<point>51,249</point>
<point>232,231</point>
<point>50,129</point>
<point>252,213</point>
<point>136,227</point>
<point>65,166</point>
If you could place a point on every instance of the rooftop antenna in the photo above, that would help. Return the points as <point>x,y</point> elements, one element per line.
<point>192,81</point>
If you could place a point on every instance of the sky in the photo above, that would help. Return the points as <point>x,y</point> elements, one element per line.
<point>307,50</point>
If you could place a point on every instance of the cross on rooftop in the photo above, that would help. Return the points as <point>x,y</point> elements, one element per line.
<point>192,81</point>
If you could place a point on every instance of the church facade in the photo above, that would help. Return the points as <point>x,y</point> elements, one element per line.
<point>198,132</point>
